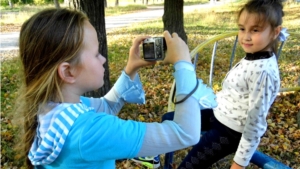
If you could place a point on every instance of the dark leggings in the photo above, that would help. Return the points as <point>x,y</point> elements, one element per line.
<point>217,142</point>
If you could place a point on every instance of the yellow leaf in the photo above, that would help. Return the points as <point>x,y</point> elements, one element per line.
<point>292,129</point>
<point>141,118</point>
<point>272,124</point>
<point>285,146</point>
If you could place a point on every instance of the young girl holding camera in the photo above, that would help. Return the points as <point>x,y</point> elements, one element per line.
<point>63,129</point>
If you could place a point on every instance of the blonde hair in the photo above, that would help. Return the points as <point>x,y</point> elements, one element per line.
<point>47,39</point>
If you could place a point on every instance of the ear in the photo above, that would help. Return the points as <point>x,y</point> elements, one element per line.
<point>65,72</point>
<point>277,31</point>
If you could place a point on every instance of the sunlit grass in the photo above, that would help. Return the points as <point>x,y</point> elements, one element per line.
<point>20,13</point>
<point>111,3</point>
<point>24,12</point>
<point>111,11</point>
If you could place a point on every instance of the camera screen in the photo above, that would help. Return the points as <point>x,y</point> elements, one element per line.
<point>148,49</point>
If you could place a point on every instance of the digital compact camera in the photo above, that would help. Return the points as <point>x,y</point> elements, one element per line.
<point>154,48</point>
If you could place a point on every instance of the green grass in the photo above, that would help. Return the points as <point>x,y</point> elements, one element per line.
<point>112,11</point>
<point>152,2</point>
<point>19,14</point>
<point>281,135</point>
<point>22,12</point>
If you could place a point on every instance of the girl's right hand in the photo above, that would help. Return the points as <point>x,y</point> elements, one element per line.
<point>135,61</point>
<point>177,49</point>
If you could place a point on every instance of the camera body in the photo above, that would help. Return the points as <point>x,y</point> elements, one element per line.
<point>154,48</point>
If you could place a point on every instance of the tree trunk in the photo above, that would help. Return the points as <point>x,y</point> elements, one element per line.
<point>173,18</point>
<point>117,3</point>
<point>95,10</point>
<point>11,4</point>
<point>56,3</point>
<point>105,3</point>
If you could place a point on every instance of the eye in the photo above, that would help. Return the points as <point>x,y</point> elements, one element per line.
<point>241,29</point>
<point>256,29</point>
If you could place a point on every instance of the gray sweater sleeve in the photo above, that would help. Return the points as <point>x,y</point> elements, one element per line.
<point>184,130</point>
<point>124,90</point>
<point>180,133</point>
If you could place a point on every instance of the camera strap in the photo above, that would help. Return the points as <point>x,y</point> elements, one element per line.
<point>187,96</point>
<point>197,84</point>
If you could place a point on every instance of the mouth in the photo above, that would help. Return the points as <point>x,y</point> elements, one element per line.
<point>247,45</point>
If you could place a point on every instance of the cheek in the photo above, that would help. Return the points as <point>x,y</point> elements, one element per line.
<point>240,35</point>
<point>270,36</point>
<point>264,40</point>
<point>76,70</point>
<point>239,39</point>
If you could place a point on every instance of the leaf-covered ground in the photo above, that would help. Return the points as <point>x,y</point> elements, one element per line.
<point>282,139</point>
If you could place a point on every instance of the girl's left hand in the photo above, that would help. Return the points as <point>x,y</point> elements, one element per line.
<point>135,61</point>
<point>236,166</point>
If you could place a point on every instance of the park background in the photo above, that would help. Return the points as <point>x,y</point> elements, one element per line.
<point>282,139</point>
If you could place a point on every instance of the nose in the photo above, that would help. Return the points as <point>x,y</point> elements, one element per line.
<point>103,59</point>
<point>247,36</point>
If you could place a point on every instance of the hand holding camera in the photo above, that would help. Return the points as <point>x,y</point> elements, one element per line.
<point>177,49</point>
<point>155,49</point>
<point>135,61</point>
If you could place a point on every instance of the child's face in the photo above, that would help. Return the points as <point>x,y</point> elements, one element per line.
<point>254,36</point>
<point>91,70</point>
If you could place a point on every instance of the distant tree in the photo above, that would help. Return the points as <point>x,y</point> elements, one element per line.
<point>56,3</point>
<point>173,17</point>
<point>66,2</point>
<point>11,4</point>
<point>95,10</point>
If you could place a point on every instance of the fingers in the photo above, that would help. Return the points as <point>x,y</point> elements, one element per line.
<point>167,36</point>
<point>177,48</point>
<point>170,40</point>
<point>138,40</point>
<point>174,35</point>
